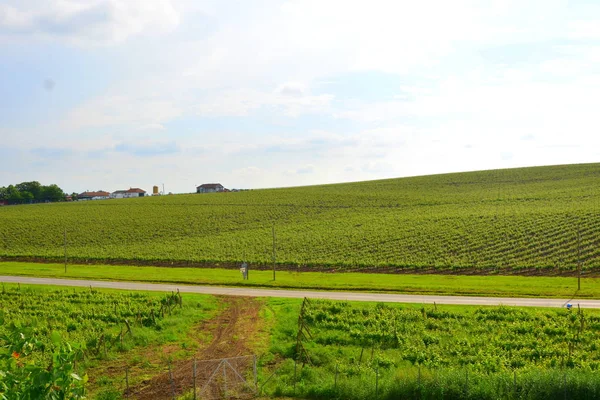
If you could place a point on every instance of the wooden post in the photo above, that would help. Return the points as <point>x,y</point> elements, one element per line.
<point>172,381</point>
<point>336,374</point>
<point>579,260</point>
<point>565,382</point>
<point>274,254</point>
<point>419,390</point>
<point>295,369</point>
<point>377,382</point>
<point>127,382</point>
<point>362,349</point>
<point>65,237</point>
<point>224,378</point>
<point>255,374</point>
<point>194,378</point>
<point>128,327</point>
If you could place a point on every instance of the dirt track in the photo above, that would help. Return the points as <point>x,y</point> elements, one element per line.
<point>230,331</point>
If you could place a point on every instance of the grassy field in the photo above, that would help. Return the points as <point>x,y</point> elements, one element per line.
<point>500,286</point>
<point>366,351</point>
<point>543,217</point>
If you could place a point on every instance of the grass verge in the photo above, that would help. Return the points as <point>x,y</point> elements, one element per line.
<point>491,286</point>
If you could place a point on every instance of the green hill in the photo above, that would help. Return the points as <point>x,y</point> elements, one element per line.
<point>509,219</point>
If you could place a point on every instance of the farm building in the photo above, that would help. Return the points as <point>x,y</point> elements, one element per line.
<point>99,195</point>
<point>210,188</point>
<point>125,194</point>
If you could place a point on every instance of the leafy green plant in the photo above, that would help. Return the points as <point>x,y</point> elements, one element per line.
<point>85,329</point>
<point>25,374</point>
<point>363,351</point>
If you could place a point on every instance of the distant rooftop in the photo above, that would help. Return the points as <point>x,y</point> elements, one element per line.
<point>99,193</point>
<point>210,185</point>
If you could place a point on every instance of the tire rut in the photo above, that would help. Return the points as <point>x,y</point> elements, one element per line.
<point>230,330</point>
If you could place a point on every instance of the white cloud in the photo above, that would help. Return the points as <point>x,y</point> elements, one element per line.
<point>152,127</point>
<point>148,148</point>
<point>292,89</point>
<point>486,103</point>
<point>583,29</point>
<point>307,169</point>
<point>285,47</point>
<point>85,21</point>
<point>248,172</point>
<point>241,102</point>
<point>455,109</point>
<point>114,109</point>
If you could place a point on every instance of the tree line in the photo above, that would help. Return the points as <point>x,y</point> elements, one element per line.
<point>31,192</point>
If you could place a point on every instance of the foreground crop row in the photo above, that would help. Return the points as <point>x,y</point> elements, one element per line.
<point>104,328</point>
<point>351,350</point>
<point>323,349</point>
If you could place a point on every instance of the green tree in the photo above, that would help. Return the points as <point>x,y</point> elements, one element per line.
<point>28,192</point>
<point>53,193</point>
<point>34,187</point>
<point>13,195</point>
<point>27,197</point>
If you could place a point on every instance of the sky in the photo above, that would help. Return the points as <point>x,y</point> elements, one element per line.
<point>112,94</point>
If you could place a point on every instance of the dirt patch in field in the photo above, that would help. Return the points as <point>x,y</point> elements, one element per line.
<point>232,332</point>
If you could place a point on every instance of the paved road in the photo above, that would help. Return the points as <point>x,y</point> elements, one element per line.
<point>333,295</point>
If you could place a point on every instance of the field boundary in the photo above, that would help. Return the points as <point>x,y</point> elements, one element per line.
<point>399,270</point>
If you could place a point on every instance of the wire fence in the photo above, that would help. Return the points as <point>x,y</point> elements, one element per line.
<point>380,383</point>
<point>224,378</point>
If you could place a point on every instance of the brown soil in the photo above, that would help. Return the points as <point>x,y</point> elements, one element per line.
<point>232,332</point>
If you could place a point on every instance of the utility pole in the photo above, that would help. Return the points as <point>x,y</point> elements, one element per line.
<point>247,269</point>
<point>65,250</point>
<point>274,254</point>
<point>579,260</point>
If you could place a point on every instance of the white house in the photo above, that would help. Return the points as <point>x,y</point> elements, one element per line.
<point>210,188</point>
<point>125,194</point>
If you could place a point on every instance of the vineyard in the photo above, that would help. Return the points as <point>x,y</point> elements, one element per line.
<point>543,217</point>
<point>102,326</point>
<point>343,350</point>
<point>307,349</point>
